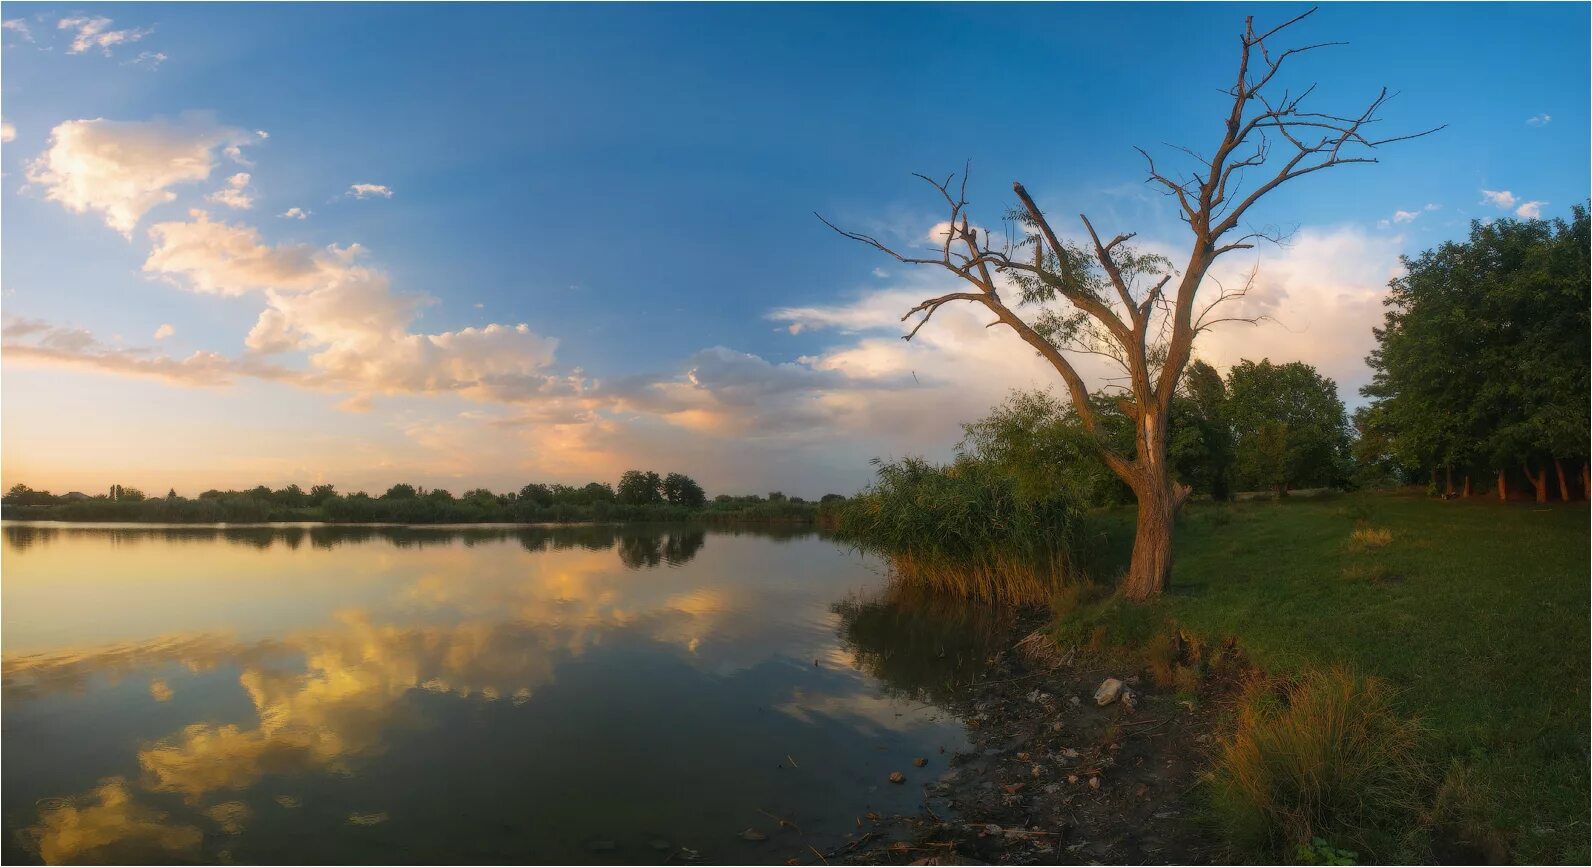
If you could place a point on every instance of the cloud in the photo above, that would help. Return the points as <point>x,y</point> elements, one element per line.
<point>1401,216</point>
<point>219,258</point>
<point>150,59</point>
<point>164,331</point>
<point>123,169</point>
<point>1500,198</point>
<point>330,303</point>
<point>236,193</point>
<point>19,27</point>
<point>1539,120</point>
<point>1530,210</point>
<point>8,132</point>
<point>368,191</point>
<point>52,345</point>
<point>294,214</point>
<point>91,33</point>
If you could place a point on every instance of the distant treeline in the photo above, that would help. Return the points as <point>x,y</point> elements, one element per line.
<point>639,496</point>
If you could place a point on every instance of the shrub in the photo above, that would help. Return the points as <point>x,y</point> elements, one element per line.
<point>968,528</point>
<point>1324,755</point>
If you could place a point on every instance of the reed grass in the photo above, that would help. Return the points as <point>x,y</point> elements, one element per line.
<point>966,528</point>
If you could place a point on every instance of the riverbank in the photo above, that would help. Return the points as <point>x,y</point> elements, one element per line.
<point>1055,776</point>
<point>1470,615</point>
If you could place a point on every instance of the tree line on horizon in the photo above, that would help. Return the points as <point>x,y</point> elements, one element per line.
<point>638,495</point>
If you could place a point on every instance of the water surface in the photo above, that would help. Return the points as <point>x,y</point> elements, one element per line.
<point>356,694</point>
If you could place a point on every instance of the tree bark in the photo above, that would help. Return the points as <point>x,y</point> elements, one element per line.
<point>1465,492</point>
<point>1150,570</point>
<point>1564,486</point>
<point>1503,485</point>
<point>1538,480</point>
<point>1448,481</point>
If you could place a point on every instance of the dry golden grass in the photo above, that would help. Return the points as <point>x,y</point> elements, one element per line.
<point>1366,537</point>
<point>1001,577</point>
<point>1323,755</point>
<point>1161,657</point>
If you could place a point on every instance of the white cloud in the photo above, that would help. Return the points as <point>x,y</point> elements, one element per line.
<point>368,191</point>
<point>164,331</point>
<point>329,303</point>
<point>1500,198</point>
<point>90,33</point>
<point>8,133</point>
<point>149,59</point>
<point>1531,210</point>
<point>294,214</point>
<point>1401,216</point>
<point>122,169</point>
<point>19,27</point>
<point>1539,120</point>
<point>236,193</point>
<point>221,258</point>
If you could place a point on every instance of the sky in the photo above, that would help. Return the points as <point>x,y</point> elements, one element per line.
<point>482,245</point>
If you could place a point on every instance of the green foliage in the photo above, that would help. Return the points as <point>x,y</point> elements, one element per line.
<point>400,491</point>
<point>1288,427</point>
<point>682,490</point>
<point>1039,443</point>
<point>410,504</point>
<point>1481,362</point>
<point>970,527</point>
<point>1319,851</point>
<point>639,488</point>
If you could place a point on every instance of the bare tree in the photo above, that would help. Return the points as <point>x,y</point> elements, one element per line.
<point>1106,298</point>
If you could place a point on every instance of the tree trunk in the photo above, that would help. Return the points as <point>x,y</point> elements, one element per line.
<point>1151,568</point>
<point>1503,485</point>
<point>1538,480</point>
<point>1564,486</point>
<point>1586,481</point>
<point>1448,481</point>
<point>1465,492</point>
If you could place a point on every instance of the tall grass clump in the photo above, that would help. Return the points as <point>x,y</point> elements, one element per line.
<point>968,528</point>
<point>1324,756</point>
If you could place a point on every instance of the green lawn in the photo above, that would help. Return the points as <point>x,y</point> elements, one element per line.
<point>1476,611</point>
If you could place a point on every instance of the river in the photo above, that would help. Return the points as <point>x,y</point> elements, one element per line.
<point>589,694</point>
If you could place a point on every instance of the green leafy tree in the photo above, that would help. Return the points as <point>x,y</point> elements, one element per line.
<point>400,491</point>
<point>1481,363</point>
<point>682,490</point>
<point>536,494</point>
<point>321,493</point>
<point>1289,426</point>
<point>640,488</point>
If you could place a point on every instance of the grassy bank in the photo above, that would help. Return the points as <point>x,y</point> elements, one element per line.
<point>1474,612</point>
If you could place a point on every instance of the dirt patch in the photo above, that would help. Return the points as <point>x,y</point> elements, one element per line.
<point>1053,778</point>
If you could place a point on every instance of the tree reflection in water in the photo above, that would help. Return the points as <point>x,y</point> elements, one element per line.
<point>638,546</point>
<point>919,644</point>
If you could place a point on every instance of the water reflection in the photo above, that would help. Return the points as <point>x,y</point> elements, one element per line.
<point>191,693</point>
<point>638,548</point>
<point>921,645</point>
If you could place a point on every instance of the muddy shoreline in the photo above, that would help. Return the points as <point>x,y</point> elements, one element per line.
<point>1052,777</point>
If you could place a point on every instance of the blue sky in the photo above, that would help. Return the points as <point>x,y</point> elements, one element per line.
<point>635,184</point>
